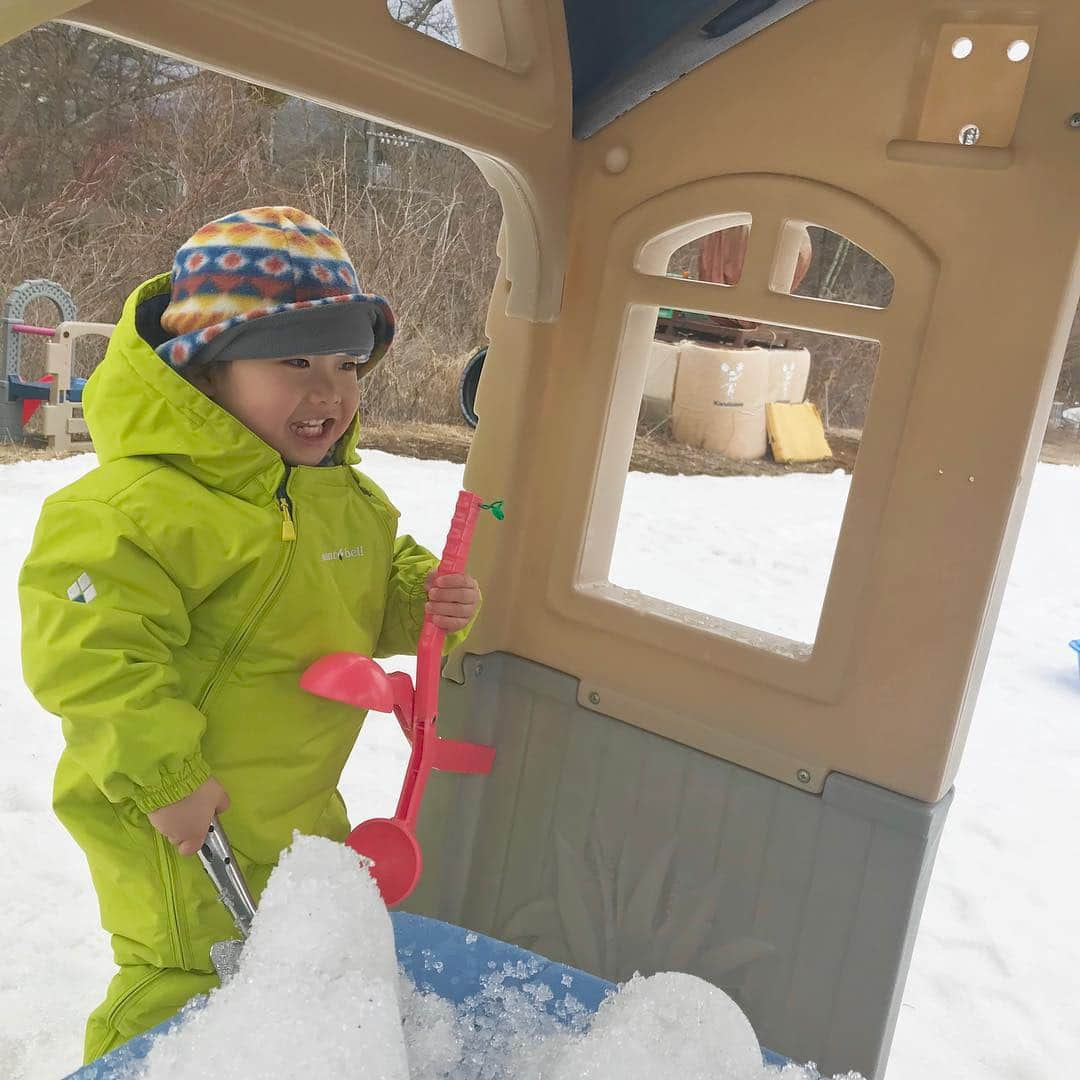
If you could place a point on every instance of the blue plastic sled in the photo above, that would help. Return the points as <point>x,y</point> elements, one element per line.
<point>438,957</point>
<point>1076,648</point>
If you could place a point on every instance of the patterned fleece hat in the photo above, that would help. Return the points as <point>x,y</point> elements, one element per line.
<point>269,283</point>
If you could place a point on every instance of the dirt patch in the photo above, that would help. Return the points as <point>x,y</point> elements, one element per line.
<point>450,442</point>
<point>13,451</point>
<point>656,455</point>
<point>652,453</point>
<point>429,442</point>
<point>1062,445</point>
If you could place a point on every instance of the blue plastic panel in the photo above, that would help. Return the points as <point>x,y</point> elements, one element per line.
<point>621,51</point>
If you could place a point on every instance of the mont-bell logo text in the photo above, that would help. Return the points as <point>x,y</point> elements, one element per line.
<point>343,553</point>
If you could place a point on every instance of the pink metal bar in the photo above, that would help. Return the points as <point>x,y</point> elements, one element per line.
<point>25,328</point>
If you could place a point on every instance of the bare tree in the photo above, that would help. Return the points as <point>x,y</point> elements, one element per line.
<point>67,98</point>
<point>432,17</point>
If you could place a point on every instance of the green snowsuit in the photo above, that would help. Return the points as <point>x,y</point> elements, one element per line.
<point>170,601</point>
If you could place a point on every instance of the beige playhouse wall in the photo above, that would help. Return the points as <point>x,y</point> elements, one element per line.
<point>817,119</point>
<point>984,250</point>
<point>984,253</point>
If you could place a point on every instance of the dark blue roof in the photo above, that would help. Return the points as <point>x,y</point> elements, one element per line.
<point>621,51</point>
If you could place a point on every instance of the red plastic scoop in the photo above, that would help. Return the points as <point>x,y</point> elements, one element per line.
<point>390,843</point>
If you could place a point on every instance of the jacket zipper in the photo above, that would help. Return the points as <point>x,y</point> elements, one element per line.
<point>231,654</point>
<point>288,526</point>
<point>248,627</point>
<point>177,919</point>
<point>131,994</point>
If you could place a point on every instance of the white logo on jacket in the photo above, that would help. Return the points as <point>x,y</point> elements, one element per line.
<point>343,553</point>
<point>82,590</point>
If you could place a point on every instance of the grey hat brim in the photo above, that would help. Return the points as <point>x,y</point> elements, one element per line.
<point>349,328</point>
<point>311,332</point>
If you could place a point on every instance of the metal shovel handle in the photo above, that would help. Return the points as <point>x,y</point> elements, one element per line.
<point>216,855</point>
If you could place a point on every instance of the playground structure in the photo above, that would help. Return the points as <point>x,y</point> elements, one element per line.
<point>58,396</point>
<point>675,790</point>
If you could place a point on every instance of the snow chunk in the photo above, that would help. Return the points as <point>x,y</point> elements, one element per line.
<point>433,1032</point>
<point>670,1026</point>
<point>316,993</point>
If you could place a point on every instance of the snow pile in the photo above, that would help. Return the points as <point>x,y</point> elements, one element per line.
<point>316,991</point>
<point>432,1029</point>
<point>667,1027</point>
<point>504,1032</point>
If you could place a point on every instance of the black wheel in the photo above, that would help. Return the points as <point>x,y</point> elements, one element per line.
<point>470,380</point>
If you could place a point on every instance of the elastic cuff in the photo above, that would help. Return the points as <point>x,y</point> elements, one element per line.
<point>416,602</point>
<point>173,786</point>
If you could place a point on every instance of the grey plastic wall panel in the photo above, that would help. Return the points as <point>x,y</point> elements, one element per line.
<point>615,850</point>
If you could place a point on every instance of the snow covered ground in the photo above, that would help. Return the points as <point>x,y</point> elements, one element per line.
<point>992,991</point>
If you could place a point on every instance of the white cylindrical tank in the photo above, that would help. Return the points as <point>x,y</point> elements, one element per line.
<point>719,402</point>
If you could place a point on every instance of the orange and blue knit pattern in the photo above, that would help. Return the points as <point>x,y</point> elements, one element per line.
<point>253,263</point>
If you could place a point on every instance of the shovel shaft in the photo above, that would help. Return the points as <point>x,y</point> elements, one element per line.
<point>216,855</point>
<point>428,660</point>
<point>429,651</point>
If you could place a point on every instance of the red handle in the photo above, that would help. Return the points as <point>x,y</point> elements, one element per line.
<point>456,549</point>
<point>429,650</point>
<point>428,661</point>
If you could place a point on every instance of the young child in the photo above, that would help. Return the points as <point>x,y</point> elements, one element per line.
<point>174,594</point>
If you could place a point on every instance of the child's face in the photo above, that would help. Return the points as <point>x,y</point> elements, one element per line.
<point>300,406</point>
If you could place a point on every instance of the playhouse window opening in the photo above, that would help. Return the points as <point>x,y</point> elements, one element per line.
<point>810,261</point>
<point>496,36</point>
<point>435,20</point>
<point>711,249</point>
<point>762,423</point>
<point>832,267</point>
<point>717,256</point>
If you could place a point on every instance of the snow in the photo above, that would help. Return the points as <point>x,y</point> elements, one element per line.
<point>501,1033</point>
<point>670,1026</point>
<point>316,990</point>
<point>760,548</point>
<point>432,1039</point>
<point>991,994</point>
<point>317,994</point>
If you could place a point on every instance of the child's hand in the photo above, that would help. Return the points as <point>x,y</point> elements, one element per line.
<point>185,823</point>
<point>452,599</point>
